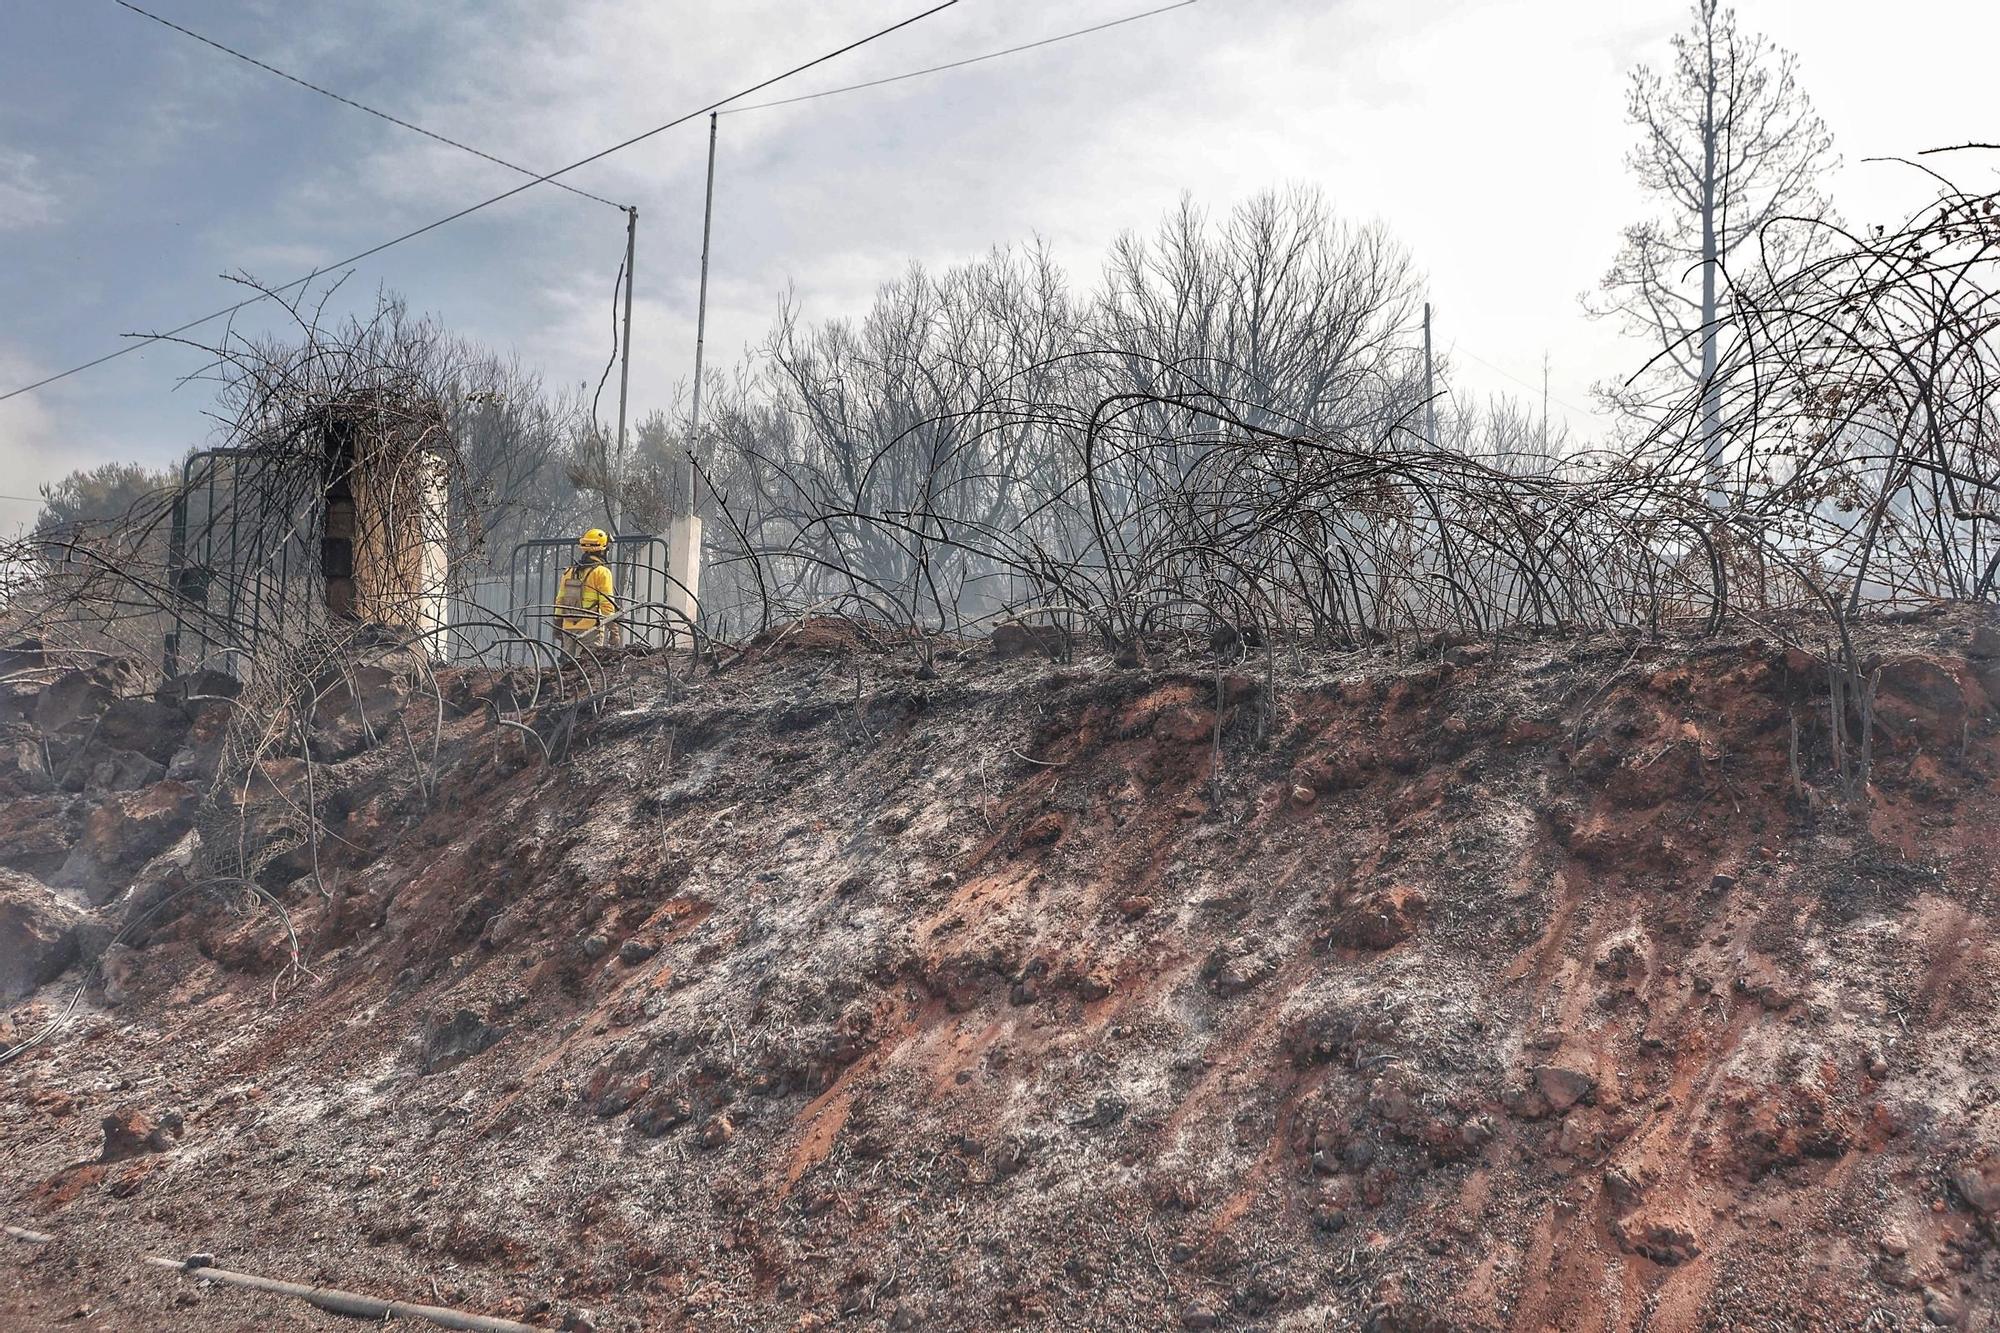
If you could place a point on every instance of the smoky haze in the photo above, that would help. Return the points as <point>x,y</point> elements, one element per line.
<point>138,166</point>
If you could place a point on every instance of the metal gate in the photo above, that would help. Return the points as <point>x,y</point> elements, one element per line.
<point>242,557</point>
<point>639,581</point>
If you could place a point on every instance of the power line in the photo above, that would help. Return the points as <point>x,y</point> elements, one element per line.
<point>956,64</point>
<point>142,339</point>
<point>1499,370</point>
<point>348,101</point>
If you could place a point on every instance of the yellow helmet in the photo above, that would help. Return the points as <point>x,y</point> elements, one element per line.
<point>594,540</point>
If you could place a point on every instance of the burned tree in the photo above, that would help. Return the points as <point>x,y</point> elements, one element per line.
<point>1730,145</point>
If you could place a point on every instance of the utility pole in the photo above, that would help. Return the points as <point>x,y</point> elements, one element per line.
<point>683,593</point>
<point>1545,402</point>
<point>701,312</point>
<point>1430,386</point>
<point>625,364</point>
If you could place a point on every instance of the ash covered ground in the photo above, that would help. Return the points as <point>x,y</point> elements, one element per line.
<point>1552,984</point>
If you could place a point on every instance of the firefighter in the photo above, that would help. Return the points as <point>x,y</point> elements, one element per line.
<point>585,611</point>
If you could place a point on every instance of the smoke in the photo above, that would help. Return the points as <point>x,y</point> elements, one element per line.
<point>29,452</point>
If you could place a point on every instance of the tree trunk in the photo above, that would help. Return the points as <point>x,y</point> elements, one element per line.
<point>1711,408</point>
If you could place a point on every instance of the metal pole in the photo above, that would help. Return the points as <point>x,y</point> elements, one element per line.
<point>701,311</point>
<point>625,363</point>
<point>1545,403</point>
<point>1430,388</point>
<point>176,564</point>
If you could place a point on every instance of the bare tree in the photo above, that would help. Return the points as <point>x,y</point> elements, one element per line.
<point>1309,316</point>
<point>1731,144</point>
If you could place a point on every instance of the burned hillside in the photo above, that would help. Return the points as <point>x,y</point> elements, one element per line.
<point>1509,982</point>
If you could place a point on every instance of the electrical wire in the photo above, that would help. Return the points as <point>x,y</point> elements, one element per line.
<point>348,101</point>
<point>1532,388</point>
<point>144,339</point>
<point>956,64</point>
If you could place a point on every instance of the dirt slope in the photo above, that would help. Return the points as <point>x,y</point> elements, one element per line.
<point>1424,990</point>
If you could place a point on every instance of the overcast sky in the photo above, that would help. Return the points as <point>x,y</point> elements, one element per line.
<point>137,166</point>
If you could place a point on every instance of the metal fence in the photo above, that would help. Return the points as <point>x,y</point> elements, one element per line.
<point>534,573</point>
<point>243,558</point>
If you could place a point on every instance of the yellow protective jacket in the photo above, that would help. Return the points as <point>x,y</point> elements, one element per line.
<point>583,598</point>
